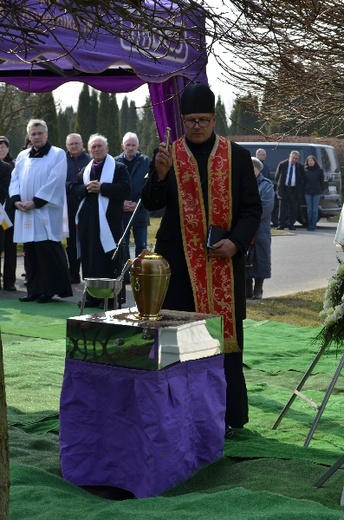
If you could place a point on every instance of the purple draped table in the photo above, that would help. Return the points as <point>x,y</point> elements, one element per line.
<point>143,431</point>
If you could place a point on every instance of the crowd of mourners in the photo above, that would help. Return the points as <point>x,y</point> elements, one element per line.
<point>50,194</point>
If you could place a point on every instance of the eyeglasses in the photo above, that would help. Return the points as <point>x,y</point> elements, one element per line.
<point>202,123</point>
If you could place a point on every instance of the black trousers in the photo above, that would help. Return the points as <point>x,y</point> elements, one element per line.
<point>288,207</point>
<point>10,257</point>
<point>71,249</point>
<point>236,396</point>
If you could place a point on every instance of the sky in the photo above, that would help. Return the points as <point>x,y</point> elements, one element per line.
<point>68,94</point>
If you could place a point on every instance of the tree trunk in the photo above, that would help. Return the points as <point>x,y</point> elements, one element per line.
<point>4,458</point>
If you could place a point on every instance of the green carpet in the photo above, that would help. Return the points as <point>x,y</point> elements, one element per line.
<point>264,473</point>
<point>36,320</point>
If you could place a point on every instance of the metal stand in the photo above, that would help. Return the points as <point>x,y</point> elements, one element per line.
<point>297,393</point>
<point>329,473</point>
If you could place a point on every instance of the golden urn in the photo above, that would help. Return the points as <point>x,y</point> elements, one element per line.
<point>149,277</point>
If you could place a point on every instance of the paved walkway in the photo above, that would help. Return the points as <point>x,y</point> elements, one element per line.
<point>301,261</point>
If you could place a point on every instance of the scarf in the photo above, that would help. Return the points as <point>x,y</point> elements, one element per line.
<point>107,175</point>
<point>211,279</point>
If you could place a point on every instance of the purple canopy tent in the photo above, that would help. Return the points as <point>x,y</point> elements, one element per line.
<point>112,64</point>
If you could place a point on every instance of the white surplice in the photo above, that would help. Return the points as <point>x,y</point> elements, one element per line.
<point>44,178</point>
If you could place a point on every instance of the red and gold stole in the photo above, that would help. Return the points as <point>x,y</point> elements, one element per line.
<point>212,279</point>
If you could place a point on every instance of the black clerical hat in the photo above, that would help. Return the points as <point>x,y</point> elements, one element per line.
<point>197,99</point>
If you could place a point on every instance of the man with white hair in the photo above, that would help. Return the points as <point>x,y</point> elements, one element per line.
<point>101,189</point>
<point>37,191</point>
<point>261,155</point>
<point>138,166</point>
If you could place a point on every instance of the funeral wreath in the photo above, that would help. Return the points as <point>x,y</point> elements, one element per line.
<point>332,313</point>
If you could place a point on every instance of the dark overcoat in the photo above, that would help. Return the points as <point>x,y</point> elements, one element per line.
<point>261,267</point>
<point>138,173</point>
<point>281,176</point>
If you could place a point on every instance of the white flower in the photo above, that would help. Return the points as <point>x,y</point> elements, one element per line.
<point>327,305</point>
<point>339,312</point>
<point>340,269</point>
<point>332,283</point>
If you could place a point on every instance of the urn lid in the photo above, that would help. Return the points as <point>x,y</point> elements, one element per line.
<point>149,262</point>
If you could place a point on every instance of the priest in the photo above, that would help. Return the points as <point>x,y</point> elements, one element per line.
<point>204,180</point>
<point>37,191</point>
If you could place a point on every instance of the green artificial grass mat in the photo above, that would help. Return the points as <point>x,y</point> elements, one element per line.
<point>264,473</point>
<point>36,494</point>
<point>35,319</point>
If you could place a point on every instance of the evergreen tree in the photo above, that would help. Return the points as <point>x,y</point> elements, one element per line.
<point>108,121</point>
<point>66,123</point>
<point>124,117</point>
<point>93,114</point>
<point>235,118</point>
<point>244,117</point>
<point>221,122</point>
<point>103,116</point>
<point>83,122</point>
<point>45,108</point>
<point>148,134</point>
<point>63,123</point>
<point>133,118</point>
<point>115,136</point>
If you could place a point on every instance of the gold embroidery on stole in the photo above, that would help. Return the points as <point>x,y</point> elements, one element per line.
<point>212,279</point>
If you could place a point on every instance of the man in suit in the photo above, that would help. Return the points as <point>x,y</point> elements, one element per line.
<point>289,179</point>
<point>203,179</point>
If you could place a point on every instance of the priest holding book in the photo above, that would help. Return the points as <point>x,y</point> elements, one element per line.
<point>203,179</point>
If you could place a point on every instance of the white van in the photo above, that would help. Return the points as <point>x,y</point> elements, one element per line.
<point>331,200</point>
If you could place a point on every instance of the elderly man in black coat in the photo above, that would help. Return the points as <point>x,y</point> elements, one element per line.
<point>289,177</point>
<point>202,180</point>
<point>101,189</point>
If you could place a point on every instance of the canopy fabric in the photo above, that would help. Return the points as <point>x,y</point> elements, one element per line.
<point>112,64</point>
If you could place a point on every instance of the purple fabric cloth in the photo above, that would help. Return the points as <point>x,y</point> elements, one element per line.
<point>142,431</point>
<point>166,66</point>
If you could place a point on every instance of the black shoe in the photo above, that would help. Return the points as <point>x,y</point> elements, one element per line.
<point>44,298</point>
<point>29,298</point>
<point>280,228</point>
<point>292,228</point>
<point>10,288</point>
<point>229,432</point>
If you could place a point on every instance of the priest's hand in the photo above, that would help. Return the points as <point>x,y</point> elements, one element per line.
<point>25,206</point>
<point>163,161</point>
<point>223,249</point>
<point>93,186</point>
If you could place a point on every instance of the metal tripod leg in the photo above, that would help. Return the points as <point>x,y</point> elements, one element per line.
<point>324,401</point>
<point>298,388</point>
<point>83,299</point>
<point>329,472</point>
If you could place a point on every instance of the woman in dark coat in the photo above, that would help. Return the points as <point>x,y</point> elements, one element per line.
<point>313,188</point>
<point>261,248</point>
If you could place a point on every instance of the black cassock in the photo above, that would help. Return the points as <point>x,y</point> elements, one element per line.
<point>246,213</point>
<point>95,262</point>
